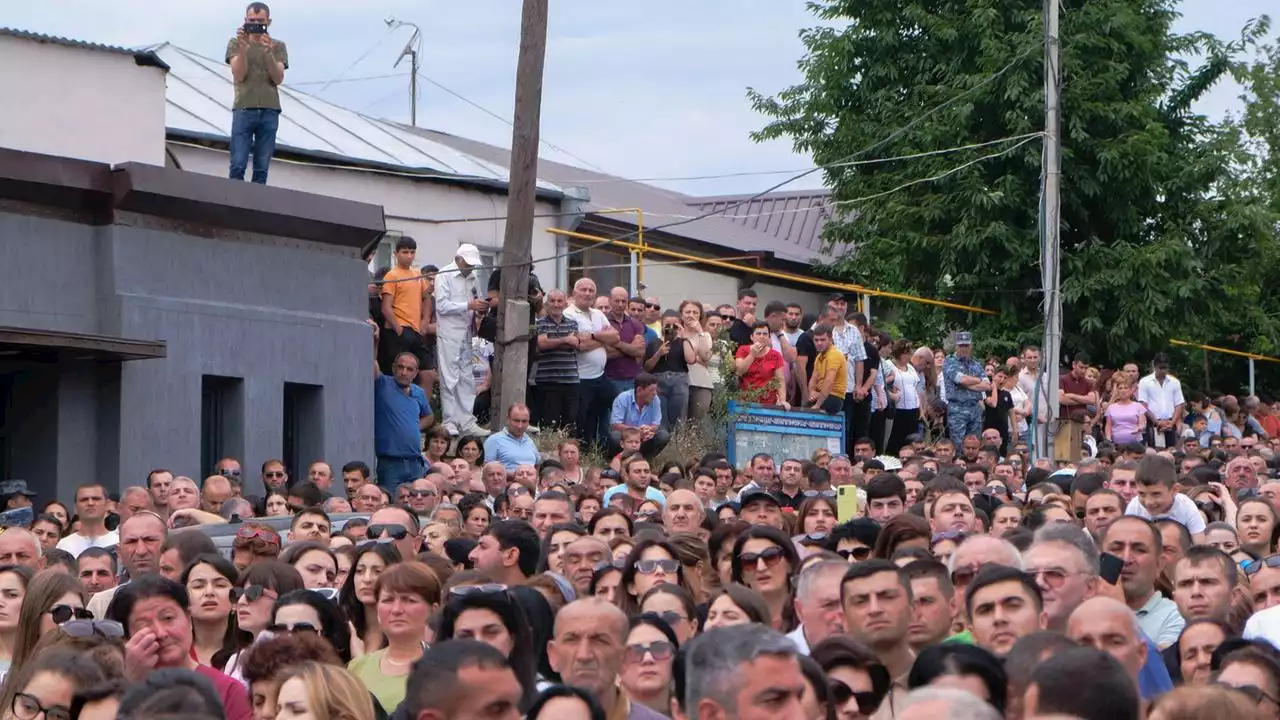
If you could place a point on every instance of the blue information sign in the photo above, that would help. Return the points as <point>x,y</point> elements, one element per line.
<point>782,434</point>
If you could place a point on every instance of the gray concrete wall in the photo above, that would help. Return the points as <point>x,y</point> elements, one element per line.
<point>268,310</point>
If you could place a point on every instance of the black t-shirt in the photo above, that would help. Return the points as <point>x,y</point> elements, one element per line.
<point>805,347</point>
<point>740,332</point>
<point>673,361</point>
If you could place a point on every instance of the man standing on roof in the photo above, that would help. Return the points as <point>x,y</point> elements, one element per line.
<point>457,300</point>
<point>257,62</point>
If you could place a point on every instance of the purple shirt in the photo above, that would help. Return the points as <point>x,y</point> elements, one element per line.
<point>1124,421</point>
<point>624,367</point>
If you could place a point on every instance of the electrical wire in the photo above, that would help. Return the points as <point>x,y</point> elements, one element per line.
<point>338,80</point>
<point>356,62</point>
<point>509,123</point>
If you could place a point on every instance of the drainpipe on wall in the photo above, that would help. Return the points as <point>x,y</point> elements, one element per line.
<point>573,210</point>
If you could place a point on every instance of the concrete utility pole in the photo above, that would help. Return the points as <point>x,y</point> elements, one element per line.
<point>1050,248</point>
<point>510,374</point>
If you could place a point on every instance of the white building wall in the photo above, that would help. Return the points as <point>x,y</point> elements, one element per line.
<point>411,205</point>
<point>811,301</point>
<point>81,103</point>
<point>675,283</point>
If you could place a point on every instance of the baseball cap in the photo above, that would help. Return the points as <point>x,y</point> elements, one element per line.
<point>755,495</point>
<point>610,474</point>
<point>468,252</point>
<point>964,338</point>
<point>836,297</point>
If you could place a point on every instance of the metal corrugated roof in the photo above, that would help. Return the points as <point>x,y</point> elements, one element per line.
<point>660,206</point>
<point>144,57</point>
<point>796,216</point>
<point>199,101</point>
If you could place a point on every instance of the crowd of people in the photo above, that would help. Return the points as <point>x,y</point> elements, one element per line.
<point>1130,573</point>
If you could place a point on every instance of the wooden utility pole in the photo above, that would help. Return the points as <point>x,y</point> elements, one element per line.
<point>1050,260</point>
<point>510,373</point>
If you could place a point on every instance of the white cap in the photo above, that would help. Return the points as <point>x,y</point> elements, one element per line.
<point>469,253</point>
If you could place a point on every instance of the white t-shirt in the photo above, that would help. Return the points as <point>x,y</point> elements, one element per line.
<point>77,543</point>
<point>1184,510</point>
<point>591,362</point>
<point>1264,625</point>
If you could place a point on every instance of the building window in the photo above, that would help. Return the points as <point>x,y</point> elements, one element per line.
<point>221,419</point>
<point>303,440</point>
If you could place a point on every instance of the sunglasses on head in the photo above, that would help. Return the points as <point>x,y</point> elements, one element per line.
<point>88,628</point>
<point>251,593</point>
<point>483,589</point>
<point>253,533</point>
<point>1251,567</point>
<point>671,617</point>
<point>649,567</point>
<point>771,556</point>
<point>393,530</point>
<point>859,553</point>
<point>841,694</point>
<point>64,613</point>
<point>298,627</point>
<point>660,650</point>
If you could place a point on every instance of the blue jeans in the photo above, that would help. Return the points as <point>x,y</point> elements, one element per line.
<point>253,128</point>
<point>392,471</point>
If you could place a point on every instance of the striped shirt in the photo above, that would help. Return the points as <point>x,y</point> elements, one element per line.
<point>558,366</point>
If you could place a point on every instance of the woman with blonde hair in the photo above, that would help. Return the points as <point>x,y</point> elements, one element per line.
<point>322,692</point>
<point>1204,702</point>
<point>701,380</point>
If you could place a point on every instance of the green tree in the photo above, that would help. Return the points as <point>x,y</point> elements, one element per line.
<point>1154,215</point>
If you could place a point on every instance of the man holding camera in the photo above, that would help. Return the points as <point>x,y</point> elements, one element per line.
<point>257,62</point>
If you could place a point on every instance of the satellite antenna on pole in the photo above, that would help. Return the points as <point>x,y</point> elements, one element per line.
<point>412,48</point>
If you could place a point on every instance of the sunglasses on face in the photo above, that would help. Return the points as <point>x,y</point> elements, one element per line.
<point>649,567</point>
<point>1253,692</point>
<point>660,650</point>
<point>298,627</point>
<point>273,474</point>
<point>421,493</point>
<point>252,593</point>
<point>841,694</point>
<point>771,556</point>
<point>64,613</point>
<point>820,493</point>
<point>858,554</point>
<point>88,628</point>
<point>1054,578</point>
<point>963,576</point>
<point>392,530</point>
<point>485,589</point>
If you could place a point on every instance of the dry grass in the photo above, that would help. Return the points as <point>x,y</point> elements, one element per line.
<point>548,439</point>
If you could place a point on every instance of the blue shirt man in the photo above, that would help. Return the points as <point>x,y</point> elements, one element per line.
<point>639,408</point>
<point>512,446</point>
<point>965,382</point>
<point>400,413</point>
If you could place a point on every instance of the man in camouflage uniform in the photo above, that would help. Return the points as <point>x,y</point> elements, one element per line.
<point>966,384</point>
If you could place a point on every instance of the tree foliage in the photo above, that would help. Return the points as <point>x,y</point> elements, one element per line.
<point>1167,231</point>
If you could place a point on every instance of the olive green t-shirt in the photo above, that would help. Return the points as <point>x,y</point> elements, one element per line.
<point>257,90</point>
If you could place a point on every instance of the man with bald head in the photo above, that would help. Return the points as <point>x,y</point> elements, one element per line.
<point>626,358</point>
<point>494,477</point>
<point>141,537</point>
<point>590,639</point>
<point>321,474</point>
<point>682,513</point>
<point>19,546</point>
<point>1109,625</point>
<point>595,394</point>
<point>216,490</point>
<point>133,501</point>
<point>557,372</point>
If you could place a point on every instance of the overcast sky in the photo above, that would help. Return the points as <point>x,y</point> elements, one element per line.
<point>641,90</point>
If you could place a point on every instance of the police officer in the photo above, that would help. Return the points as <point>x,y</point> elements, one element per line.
<point>966,384</point>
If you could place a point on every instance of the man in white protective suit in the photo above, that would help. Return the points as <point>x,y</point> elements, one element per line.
<point>457,301</point>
